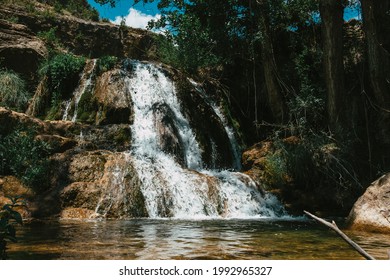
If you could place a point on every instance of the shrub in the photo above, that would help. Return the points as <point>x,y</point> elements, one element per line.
<point>13,93</point>
<point>25,157</point>
<point>50,37</point>
<point>106,63</point>
<point>8,219</point>
<point>63,72</point>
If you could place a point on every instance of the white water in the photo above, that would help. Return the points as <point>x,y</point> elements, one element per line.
<point>171,190</point>
<point>84,85</point>
<point>236,150</point>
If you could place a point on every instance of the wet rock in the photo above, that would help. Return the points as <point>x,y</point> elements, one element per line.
<point>372,210</point>
<point>103,183</point>
<point>217,152</point>
<point>113,98</point>
<point>77,213</point>
<point>168,134</point>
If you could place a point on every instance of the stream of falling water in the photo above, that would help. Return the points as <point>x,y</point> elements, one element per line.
<point>189,191</point>
<point>84,85</point>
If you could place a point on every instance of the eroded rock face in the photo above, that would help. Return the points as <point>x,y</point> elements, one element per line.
<point>83,37</point>
<point>113,98</point>
<point>20,50</point>
<point>168,135</point>
<point>103,185</point>
<point>372,210</point>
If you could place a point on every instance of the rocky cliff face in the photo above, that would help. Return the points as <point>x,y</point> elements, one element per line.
<point>23,29</point>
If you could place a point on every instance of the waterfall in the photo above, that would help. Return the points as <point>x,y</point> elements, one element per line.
<point>183,189</point>
<point>84,85</point>
<point>235,147</point>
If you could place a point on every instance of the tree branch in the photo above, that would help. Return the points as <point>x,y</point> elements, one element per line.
<point>334,227</point>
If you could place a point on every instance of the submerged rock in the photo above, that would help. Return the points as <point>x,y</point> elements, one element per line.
<point>372,210</point>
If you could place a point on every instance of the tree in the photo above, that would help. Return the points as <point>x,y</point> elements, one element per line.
<point>376,22</point>
<point>331,12</point>
<point>275,96</point>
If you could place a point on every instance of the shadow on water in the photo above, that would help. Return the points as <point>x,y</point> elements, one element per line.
<point>178,239</point>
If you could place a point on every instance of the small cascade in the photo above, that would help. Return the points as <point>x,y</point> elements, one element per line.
<point>84,85</point>
<point>183,189</point>
<point>235,147</point>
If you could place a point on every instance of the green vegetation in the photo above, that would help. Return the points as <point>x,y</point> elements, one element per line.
<point>62,71</point>
<point>87,107</point>
<point>50,37</point>
<point>78,8</point>
<point>8,219</point>
<point>25,157</point>
<point>106,63</point>
<point>13,93</point>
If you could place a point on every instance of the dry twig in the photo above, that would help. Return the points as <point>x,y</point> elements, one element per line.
<point>334,227</point>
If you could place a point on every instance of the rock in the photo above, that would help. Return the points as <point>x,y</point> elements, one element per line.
<point>11,186</point>
<point>168,134</point>
<point>113,98</point>
<point>371,212</point>
<point>217,152</point>
<point>102,184</point>
<point>20,50</point>
<point>9,120</point>
<point>81,37</point>
<point>78,213</point>
<point>58,143</point>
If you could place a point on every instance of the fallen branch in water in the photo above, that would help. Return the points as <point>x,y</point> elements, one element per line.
<point>334,227</point>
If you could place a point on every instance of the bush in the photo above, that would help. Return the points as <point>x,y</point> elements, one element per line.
<point>63,72</point>
<point>25,157</point>
<point>8,219</point>
<point>106,63</point>
<point>13,93</point>
<point>50,37</point>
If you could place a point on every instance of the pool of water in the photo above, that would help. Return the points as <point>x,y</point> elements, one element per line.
<point>147,239</point>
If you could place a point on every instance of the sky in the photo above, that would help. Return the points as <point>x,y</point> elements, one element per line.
<point>137,16</point>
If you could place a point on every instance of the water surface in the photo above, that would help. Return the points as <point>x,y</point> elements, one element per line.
<point>177,239</point>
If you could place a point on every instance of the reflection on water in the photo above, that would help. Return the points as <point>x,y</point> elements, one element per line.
<point>173,239</point>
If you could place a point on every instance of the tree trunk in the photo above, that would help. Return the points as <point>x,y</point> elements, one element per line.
<point>376,21</point>
<point>274,94</point>
<point>331,12</point>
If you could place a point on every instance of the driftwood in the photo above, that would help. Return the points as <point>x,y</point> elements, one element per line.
<point>334,227</point>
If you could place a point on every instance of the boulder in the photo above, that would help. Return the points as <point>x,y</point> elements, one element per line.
<point>371,212</point>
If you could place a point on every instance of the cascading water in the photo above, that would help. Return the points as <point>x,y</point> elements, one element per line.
<point>85,84</point>
<point>183,190</point>
<point>235,147</point>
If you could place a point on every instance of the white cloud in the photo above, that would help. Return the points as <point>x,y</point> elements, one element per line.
<point>136,19</point>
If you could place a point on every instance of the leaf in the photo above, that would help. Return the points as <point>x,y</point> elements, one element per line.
<point>17,217</point>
